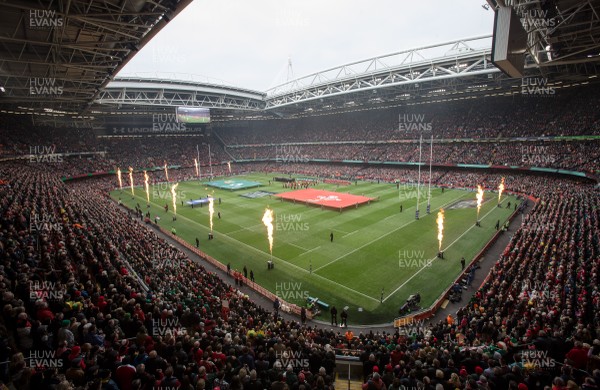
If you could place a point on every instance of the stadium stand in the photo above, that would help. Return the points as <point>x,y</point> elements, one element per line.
<point>82,281</point>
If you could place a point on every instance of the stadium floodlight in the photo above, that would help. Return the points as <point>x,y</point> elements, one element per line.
<point>2,89</point>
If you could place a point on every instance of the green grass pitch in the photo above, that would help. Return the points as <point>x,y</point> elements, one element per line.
<point>375,248</point>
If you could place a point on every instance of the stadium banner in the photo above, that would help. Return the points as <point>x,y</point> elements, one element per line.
<point>478,166</point>
<point>155,128</point>
<point>549,170</point>
<point>437,141</point>
<point>574,173</point>
<point>588,175</point>
<point>233,184</point>
<point>258,194</point>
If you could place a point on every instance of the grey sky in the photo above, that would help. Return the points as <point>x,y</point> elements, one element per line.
<point>246,43</point>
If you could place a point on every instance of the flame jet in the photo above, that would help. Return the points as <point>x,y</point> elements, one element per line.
<point>440,224</point>
<point>174,196</point>
<point>131,180</point>
<point>120,178</point>
<point>147,186</point>
<point>267,220</point>
<point>211,212</point>
<point>479,199</point>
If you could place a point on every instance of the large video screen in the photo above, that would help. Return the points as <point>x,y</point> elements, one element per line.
<point>193,115</point>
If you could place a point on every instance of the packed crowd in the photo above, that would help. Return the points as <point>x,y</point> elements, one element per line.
<point>377,135</point>
<point>535,184</point>
<point>93,298</point>
<point>578,155</point>
<point>20,136</point>
<point>570,112</point>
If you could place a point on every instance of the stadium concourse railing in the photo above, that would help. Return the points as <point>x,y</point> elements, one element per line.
<point>285,306</point>
<point>431,310</point>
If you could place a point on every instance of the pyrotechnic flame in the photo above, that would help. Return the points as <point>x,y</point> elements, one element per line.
<point>120,178</point>
<point>147,186</point>
<point>229,166</point>
<point>131,179</point>
<point>166,171</point>
<point>267,220</point>
<point>211,211</point>
<point>479,198</point>
<point>500,189</point>
<point>440,224</point>
<point>174,196</point>
<point>196,165</point>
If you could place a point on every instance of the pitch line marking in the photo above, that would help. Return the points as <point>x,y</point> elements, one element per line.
<point>346,235</point>
<point>289,264</point>
<point>313,249</point>
<point>385,235</point>
<point>251,227</point>
<point>431,260</point>
<point>298,246</point>
<point>339,231</point>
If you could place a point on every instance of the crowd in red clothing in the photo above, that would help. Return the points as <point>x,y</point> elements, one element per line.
<point>120,317</point>
<point>93,298</point>
<point>372,135</point>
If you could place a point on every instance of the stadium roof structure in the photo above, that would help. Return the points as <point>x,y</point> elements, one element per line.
<point>133,97</point>
<point>160,91</point>
<point>56,56</point>
<point>98,38</point>
<point>559,32</point>
<point>456,70</point>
